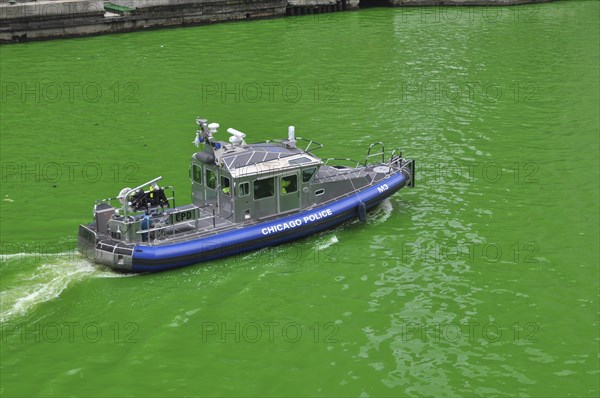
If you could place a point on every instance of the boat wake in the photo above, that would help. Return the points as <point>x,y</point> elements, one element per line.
<point>14,256</point>
<point>25,285</point>
<point>382,213</point>
<point>378,215</point>
<point>327,241</point>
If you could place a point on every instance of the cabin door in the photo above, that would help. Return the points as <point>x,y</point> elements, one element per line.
<point>197,185</point>
<point>224,192</point>
<point>289,193</point>
<point>210,186</point>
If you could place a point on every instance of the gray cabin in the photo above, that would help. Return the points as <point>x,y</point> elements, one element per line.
<point>243,182</point>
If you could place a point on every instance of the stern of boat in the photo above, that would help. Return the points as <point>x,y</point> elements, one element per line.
<point>103,250</point>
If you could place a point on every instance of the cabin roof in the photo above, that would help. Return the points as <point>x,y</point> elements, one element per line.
<point>262,158</point>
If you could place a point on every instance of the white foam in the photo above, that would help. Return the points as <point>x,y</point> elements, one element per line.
<point>16,256</point>
<point>46,282</point>
<point>327,242</point>
<point>382,213</point>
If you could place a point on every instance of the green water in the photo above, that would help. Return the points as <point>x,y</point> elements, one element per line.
<point>481,281</point>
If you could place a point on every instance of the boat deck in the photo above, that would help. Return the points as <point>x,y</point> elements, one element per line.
<point>210,222</point>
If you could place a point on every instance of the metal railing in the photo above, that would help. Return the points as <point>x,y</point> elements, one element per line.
<point>309,143</point>
<point>328,160</point>
<point>380,153</point>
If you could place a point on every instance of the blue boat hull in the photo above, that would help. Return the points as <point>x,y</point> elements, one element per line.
<point>270,233</point>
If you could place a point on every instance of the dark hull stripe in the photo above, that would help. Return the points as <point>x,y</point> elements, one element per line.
<point>224,251</point>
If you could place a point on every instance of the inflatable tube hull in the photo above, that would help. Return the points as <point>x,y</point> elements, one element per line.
<point>269,233</point>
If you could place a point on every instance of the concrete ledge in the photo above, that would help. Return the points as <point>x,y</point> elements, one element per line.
<point>310,3</point>
<point>400,3</point>
<point>51,10</point>
<point>71,18</point>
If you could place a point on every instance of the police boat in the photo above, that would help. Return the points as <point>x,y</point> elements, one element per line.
<point>244,197</point>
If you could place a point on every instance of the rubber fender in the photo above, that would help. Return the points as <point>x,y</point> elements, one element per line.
<point>362,212</point>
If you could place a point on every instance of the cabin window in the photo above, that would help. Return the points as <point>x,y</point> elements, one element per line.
<point>211,179</point>
<point>264,188</point>
<point>319,192</point>
<point>300,160</point>
<point>225,186</point>
<point>289,184</point>
<point>197,173</point>
<point>244,189</point>
<point>308,173</point>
